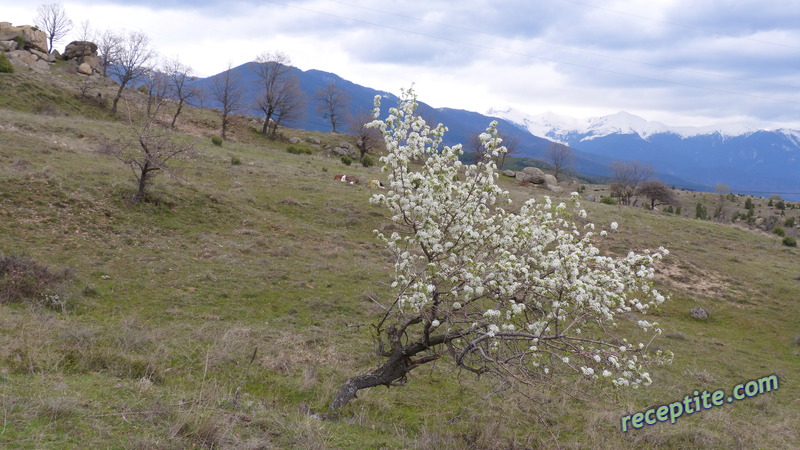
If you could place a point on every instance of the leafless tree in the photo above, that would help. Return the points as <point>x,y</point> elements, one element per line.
<point>52,19</point>
<point>227,90</point>
<point>280,97</point>
<point>108,46</point>
<point>152,150</point>
<point>719,207</point>
<point>511,143</point>
<point>368,138</point>
<point>131,62</point>
<point>475,146</point>
<point>627,176</point>
<point>560,158</point>
<point>658,193</point>
<point>332,103</point>
<point>157,86</point>
<point>85,33</point>
<point>178,76</point>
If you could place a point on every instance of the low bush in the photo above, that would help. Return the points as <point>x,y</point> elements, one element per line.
<point>789,241</point>
<point>216,140</point>
<point>23,280</point>
<point>346,160</point>
<point>789,223</point>
<point>779,231</point>
<point>367,161</point>
<point>235,161</point>
<point>608,200</point>
<point>5,64</point>
<point>299,150</point>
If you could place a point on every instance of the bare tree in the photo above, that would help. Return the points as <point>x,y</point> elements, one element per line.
<point>658,193</point>
<point>157,86</point>
<point>511,143</point>
<point>131,62</point>
<point>53,20</point>
<point>475,145</point>
<point>719,207</point>
<point>227,90</point>
<point>107,49</point>
<point>627,176</point>
<point>178,76</point>
<point>85,33</point>
<point>368,138</point>
<point>560,158</point>
<point>151,151</point>
<point>281,99</point>
<point>332,103</point>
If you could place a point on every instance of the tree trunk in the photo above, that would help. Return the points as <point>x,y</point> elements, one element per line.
<point>175,117</point>
<point>394,369</point>
<point>116,99</point>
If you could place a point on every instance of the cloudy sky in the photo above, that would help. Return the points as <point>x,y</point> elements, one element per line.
<point>681,62</point>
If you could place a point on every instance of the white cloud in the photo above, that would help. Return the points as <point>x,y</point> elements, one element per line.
<point>676,61</point>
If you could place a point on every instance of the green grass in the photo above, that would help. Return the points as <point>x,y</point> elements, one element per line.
<point>208,318</point>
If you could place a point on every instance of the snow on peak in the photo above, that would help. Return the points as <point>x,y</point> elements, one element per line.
<point>560,128</point>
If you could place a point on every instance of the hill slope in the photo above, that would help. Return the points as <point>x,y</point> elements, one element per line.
<point>215,316</point>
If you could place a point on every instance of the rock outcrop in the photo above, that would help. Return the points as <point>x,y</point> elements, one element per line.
<point>33,39</point>
<point>85,54</point>
<point>25,46</point>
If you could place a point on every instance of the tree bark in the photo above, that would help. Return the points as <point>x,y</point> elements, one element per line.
<point>394,369</point>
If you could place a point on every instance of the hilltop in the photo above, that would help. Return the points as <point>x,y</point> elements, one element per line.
<point>240,296</point>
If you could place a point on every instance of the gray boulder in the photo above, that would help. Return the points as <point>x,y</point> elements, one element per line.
<point>530,175</point>
<point>699,313</point>
<point>294,140</point>
<point>313,140</point>
<point>79,49</point>
<point>8,46</point>
<point>509,173</point>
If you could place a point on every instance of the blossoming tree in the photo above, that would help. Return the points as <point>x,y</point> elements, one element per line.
<point>522,295</point>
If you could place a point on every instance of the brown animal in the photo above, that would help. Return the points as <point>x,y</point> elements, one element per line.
<point>346,178</point>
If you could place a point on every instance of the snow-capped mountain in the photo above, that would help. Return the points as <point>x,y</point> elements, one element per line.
<point>747,159</point>
<point>563,128</point>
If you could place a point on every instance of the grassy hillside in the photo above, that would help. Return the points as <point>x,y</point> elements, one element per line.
<point>216,315</point>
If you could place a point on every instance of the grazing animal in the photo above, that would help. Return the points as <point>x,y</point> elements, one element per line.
<point>376,184</point>
<point>346,178</point>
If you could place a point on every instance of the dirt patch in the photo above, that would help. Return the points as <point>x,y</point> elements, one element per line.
<point>686,277</point>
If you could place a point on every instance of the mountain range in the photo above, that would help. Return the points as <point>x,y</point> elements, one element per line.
<point>748,160</point>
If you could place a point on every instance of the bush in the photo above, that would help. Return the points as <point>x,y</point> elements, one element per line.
<point>346,160</point>
<point>20,42</point>
<point>5,64</point>
<point>235,161</point>
<point>216,140</point>
<point>367,161</point>
<point>779,231</point>
<point>789,222</point>
<point>790,241</point>
<point>23,280</point>
<point>608,200</point>
<point>299,150</point>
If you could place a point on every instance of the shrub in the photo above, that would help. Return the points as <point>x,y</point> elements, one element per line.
<point>608,200</point>
<point>216,140</point>
<point>299,150</point>
<point>235,161</point>
<point>779,231</point>
<point>789,222</point>
<point>789,241</point>
<point>20,42</point>
<point>5,64</point>
<point>678,211</point>
<point>367,161</point>
<point>23,280</point>
<point>346,160</point>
